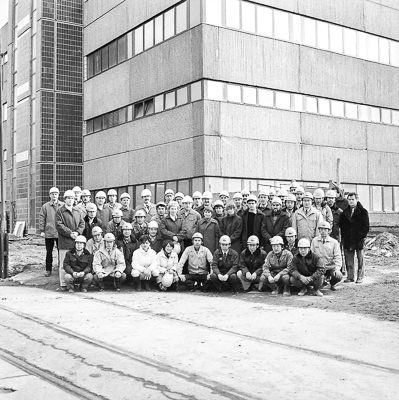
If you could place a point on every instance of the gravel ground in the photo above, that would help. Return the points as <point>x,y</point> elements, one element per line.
<point>378,296</point>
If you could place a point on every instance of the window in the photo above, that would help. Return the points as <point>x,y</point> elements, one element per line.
<point>372,48</point>
<point>394,53</point>
<point>148,35</point>
<point>129,39</point>
<point>97,124</point>
<point>196,91</point>
<point>350,42</point>
<point>248,16</point>
<point>337,108</point>
<point>396,197</point>
<point>283,100</point>
<point>234,93</point>
<point>195,12</point>
<point>375,114</point>
<point>364,113</point>
<point>281,25</point>
<point>336,39</point>
<point>129,113</point>
<point>104,58</point>
<point>90,126</point>
<point>388,198</point>
<point>351,110</point>
<point>149,107</point>
<point>169,22</point>
<point>384,50</point>
<point>122,49</point>
<point>298,102</point>
<point>138,110</point>
<point>249,95</point>
<point>138,40</point>
<point>377,198</point>
<point>309,31</point>
<point>159,29</point>
<point>264,21</point>
<point>386,116</point>
<point>233,14</point>
<point>112,54</point>
<point>97,62</point>
<point>122,115</point>
<point>90,65</point>
<point>324,106</point>
<point>170,100</point>
<point>311,104</point>
<point>266,97</point>
<point>181,17</point>
<point>322,35</point>
<point>213,12</point>
<point>296,28</point>
<point>159,103</point>
<point>361,45</point>
<point>182,96</point>
<point>4,111</point>
<point>395,117</point>
<point>214,90</point>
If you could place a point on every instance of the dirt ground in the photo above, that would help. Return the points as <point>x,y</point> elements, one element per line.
<point>378,296</point>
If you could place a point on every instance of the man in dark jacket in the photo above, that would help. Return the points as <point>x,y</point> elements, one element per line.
<point>306,269</point>
<point>355,225</point>
<point>127,244</point>
<point>251,263</point>
<point>231,225</point>
<point>91,220</point>
<point>78,265</point>
<point>251,222</point>
<point>274,223</point>
<point>224,267</point>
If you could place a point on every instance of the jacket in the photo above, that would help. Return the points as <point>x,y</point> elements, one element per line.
<point>92,247</point>
<point>275,264</point>
<point>310,265</point>
<point>140,230</point>
<point>74,263</point>
<point>335,231</point>
<point>257,228</point>
<point>197,261</point>
<point>104,215</point>
<point>306,225</point>
<point>151,212</point>
<point>47,219</point>
<point>127,247</point>
<point>156,243</point>
<point>116,230</point>
<point>189,223</point>
<point>326,213</point>
<point>67,222</point>
<point>167,263</point>
<point>90,225</point>
<point>143,259</point>
<point>252,262</point>
<point>271,229</point>
<point>127,214</point>
<point>329,251</point>
<point>210,230</point>
<point>108,263</point>
<point>170,228</point>
<point>229,266</point>
<point>354,229</point>
<point>232,227</point>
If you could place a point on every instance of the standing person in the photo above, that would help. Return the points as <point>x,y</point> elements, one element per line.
<point>85,201</point>
<point>172,226</point>
<point>196,200</point>
<point>251,221</point>
<point>78,265</point>
<point>112,195</point>
<point>354,226</point>
<point>127,244</point>
<point>179,198</point>
<point>321,205</point>
<point>293,186</point>
<point>140,227</point>
<point>96,242</point>
<point>47,226</point>
<point>91,220</point>
<point>209,229</point>
<point>103,213</point>
<point>218,210</point>
<point>206,202</point>
<point>116,224</point>
<point>274,223</point>
<point>224,267</point>
<point>168,196</point>
<point>290,206</point>
<point>190,220</point>
<point>224,197</point>
<point>306,219</point>
<point>250,264</point>
<point>329,250</point>
<point>78,193</point>
<point>300,191</point>
<point>231,225</point>
<point>161,213</point>
<point>147,206</point>
<point>263,199</point>
<point>237,198</point>
<point>154,236</point>
<point>127,211</point>
<point>69,224</point>
<point>292,243</point>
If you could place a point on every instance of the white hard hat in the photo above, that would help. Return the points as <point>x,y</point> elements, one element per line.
<point>218,203</point>
<point>294,184</point>
<point>153,224</point>
<point>251,197</point>
<point>100,194</point>
<point>76,189</point>
<point>96,230</point>
<point>81,239</point>
<point>307,195</point>
<point>324,224</point>
<point>224,239</point>
<point>237,195</point>
<point>318,193</point>
<point>331,193</point>
<point>303,242</point>
<point>290,197</point>
<point>125,196</point>
<point>276,199</point>
<point>167,279</point>
<point>112,192</point>
<point>198,235</point>
<point>277,240</point>
<point>54,190</point>
<point>207,195</point>
<point>224,193</point>
<point>86,192</point>
<point>169,191</point>
<point>69,193</point>
<point>140,213</point>
<point>91,207</point>
<point>282,192</point>
<point>290,231</point>
<point>109,237</point>
<point>245,191</point>
<point>263,192</point>
<point>272,192</point>
<point>197,195</point>
<point>127,226</point>
<point>146,192</point>
<point>300,189</point>
<point>179,194</point>
<point>187,199</point>
<point>253,240</point>
<point>117,213</point>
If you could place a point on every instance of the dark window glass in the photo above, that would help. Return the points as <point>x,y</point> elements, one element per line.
<point>97,124</point>
<point>90,126</point>
<point>113,54</point>
<point>107,120</point>
<point>138,110</point>
<point>104,58</point>
<point>122,115</point>
<point>149,107</point>
<point>122,49</point>
<point>90,66</point>
<point>97,62</point>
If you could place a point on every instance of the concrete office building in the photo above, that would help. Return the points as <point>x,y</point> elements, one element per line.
<point>42,73</point>
<point>226,94</point>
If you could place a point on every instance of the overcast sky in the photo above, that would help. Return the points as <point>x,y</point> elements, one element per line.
<point>3,12</point>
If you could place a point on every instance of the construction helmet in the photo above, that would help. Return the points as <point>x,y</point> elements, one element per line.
<point>197,195</point>
<point>263,192</point>
<point>100,195</point>
<point>96,230</point>
<point>207,195</point>
<point>117,213</point>
<point>303,242</point>
<point>169,191</point>
<point>179,195</point>
<point>198,235</point>
<point>253,240</point>
<point>187,199</point>
<point>307,195</point>
<point>218,203</point>
<point>225,240</point>
<point>325,225</point>
<point>69,193</point>
<point>109,237</point>
<point>224,193</point>
<point>277,240</point>
<point>294,184</point>
<point>331,193</point>
<point>167,279</point>
<point>237,195</point>
<point>125,196</point>
<point>86,192</point>
<point>127,227</point>
<point>77,189</point>
<point>318,193</point>
<point>80,239</point>
<point>54,190</point>
<point>153,224</point>
<point>282,192</point>
<point>276,199</point>
<point>140,213</point>
<point>146,192</point>
<point>251,197</point>
<point>300,189</point>
<point>290,231</point>
<point>290,197</point>
<point>91,207</point>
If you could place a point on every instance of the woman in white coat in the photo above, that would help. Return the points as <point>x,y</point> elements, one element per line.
<point>166,263</point>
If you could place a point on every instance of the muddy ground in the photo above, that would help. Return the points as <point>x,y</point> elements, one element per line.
<point>378,296</point>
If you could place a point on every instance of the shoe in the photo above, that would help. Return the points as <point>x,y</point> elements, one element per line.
<point>302,292</point>
<point>359,280</point>
<point>71,291</point>
<point>333,288</point>
<point>47,274</point>
<point>318,293</point>
<point>84,290</point>
<point>63,288</point>
<point>260,287</point>
<point>101,289</point>
<point>274,293</point>
<point>118,289</point>
<point>286,293</point>
<point>347,280</point>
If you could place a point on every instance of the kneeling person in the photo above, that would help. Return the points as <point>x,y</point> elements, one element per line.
<point>224,267</point>
<point>306,269</point>
<point>167,262</point>
<point>109,264</point>
<point>78,264</point>
<point>275,269</point>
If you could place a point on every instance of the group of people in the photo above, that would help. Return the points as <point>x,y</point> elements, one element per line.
<point>274,241</point>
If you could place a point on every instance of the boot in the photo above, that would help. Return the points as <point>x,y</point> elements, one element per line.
<point>137,284</point>
<point>286,291</point>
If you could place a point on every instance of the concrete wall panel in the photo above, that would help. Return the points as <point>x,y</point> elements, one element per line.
<point>335,132</point>
<point>389,15</point>
<point>383,168</point>
<point>383,138</point>
<point>319,164</point>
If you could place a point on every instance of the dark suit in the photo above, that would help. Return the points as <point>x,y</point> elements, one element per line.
<point>276,228</point>
<point>257,231</point>
<point>225,265</point>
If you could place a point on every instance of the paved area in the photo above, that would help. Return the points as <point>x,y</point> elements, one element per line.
<point>189,346</point>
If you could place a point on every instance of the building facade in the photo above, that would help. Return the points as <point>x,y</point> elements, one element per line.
<point>42,96</point>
